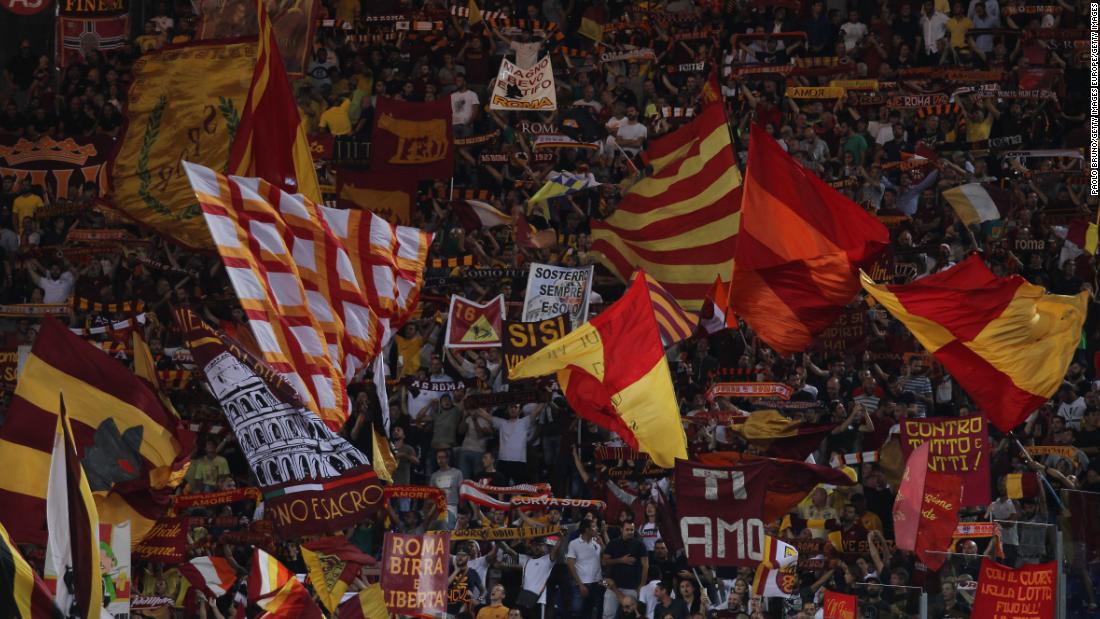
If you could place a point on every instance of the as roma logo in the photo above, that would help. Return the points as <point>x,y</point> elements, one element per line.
<point>25,7</point>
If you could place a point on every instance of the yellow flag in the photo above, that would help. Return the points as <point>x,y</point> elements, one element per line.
<point>185,104</point>
<point>475,13</point>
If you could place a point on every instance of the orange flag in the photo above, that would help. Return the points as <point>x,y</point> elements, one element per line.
<point>799,250</point>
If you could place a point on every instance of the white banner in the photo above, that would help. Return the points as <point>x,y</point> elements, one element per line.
<point>554,290</point>
<point>524,89</point>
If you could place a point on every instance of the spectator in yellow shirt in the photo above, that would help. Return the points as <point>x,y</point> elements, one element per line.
<point>25,204</point>
<point>958,26</point>
<point>335,118</point>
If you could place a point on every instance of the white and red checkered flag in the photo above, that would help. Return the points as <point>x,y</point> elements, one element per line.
<point>314,282</point>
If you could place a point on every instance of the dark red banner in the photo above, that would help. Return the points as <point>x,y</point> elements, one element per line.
<point>414,573</point>
<point>412,141</point>
<point>720,510</point>
<point>957,445</point>
<point>60,166</point>
<point>1005,593</point>
<point>166,542</point>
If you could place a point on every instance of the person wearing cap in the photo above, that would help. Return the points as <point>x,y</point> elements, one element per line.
<point>535,571</point>
<point>464,587</point>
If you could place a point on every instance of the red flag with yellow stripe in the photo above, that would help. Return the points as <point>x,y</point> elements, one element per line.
<point>271,142</point>
<point>1006,341</point>
<point>614,373</point>
<point>799,250</point>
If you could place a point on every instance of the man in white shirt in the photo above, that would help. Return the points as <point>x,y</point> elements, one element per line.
<point>1071,407</point>
<point>583,559</point>
<point>853,31</point>
<point>536,569</point>
<point>513,431</point>
<point>631,134</point>
<point>933,26</point>
<point>464,106</point>
<point>56,285</point>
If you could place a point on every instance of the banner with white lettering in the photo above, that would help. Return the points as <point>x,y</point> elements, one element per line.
<point>554,290</point>
<point>720,509</point>
<point>414,573</point>
<point>524,89</point>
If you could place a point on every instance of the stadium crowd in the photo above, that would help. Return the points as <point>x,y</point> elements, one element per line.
<point>616,563</point>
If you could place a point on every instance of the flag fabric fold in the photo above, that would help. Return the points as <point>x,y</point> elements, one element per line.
<point>270,141</point>
<point>781,437</point>
<point>1006,341</point>
<point>72,552</point>
<point>266,576</point>
<point>716,315</point>
<point>673,322</point>
<point>799,250</point>
<point>291,601</point>
<point>370,603</point>
<point>977,203</point>
<point>213,576</point>
<point>23,595</point>
<point>679,222</point>
<point>133,450</point>
<point>333,563</point>
<point>614,373</point>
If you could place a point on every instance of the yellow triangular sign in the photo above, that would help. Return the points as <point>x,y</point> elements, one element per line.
<point>481,331</point>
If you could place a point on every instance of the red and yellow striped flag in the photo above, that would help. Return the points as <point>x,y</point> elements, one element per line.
<point>271,142</point>
<point>133,449</point>
<point>1022,485</point>
<point>1006,341</point>
<point>23,595</point>
<point>673,322</point>
<point>799,250</point>
<point>614,373</point>
<point>679,223</point>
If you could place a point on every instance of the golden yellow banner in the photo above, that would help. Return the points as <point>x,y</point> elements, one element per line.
<point>815,92</point>
<point>185,104</point>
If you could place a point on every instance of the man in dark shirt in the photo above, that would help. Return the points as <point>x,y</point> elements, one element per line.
<point>626,562</point>
<point>666,605</point>
<point>20,69</point>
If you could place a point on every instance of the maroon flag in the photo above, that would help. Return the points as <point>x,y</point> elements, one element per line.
<point>908,499</point>
<point>956,445</point>
<point>1026,593</point>
<point>839,605</point>
<point>926,509</point>
<point>939,514</point>
<point>723,505</point>
<point>79,36</point>
<point>412,141</point>
<point>414,573</point>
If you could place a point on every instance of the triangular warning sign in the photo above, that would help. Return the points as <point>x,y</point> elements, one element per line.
<point>481,331</point>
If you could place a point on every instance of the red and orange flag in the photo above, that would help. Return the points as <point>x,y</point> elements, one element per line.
<point>1006,341</point>
<point>799,250</point>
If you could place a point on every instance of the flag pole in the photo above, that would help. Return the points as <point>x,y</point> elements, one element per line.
<point>1042,474</point>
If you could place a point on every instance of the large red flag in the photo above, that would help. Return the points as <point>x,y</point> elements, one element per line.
<point>799,250</point>
<point>1005,340</point>
<point>1026,593</point>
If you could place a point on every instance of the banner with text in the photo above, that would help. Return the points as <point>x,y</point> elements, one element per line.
<point>523,339</point>
<point>554,290</point>
<point>414,573</point>
<point>1005,593</point>
<point>166,542</point>
<point>524,89</point>
<point>958,445</point>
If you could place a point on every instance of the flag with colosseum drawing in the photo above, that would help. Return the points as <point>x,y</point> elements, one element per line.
<point>412,141</point>
<point>313,480</point>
